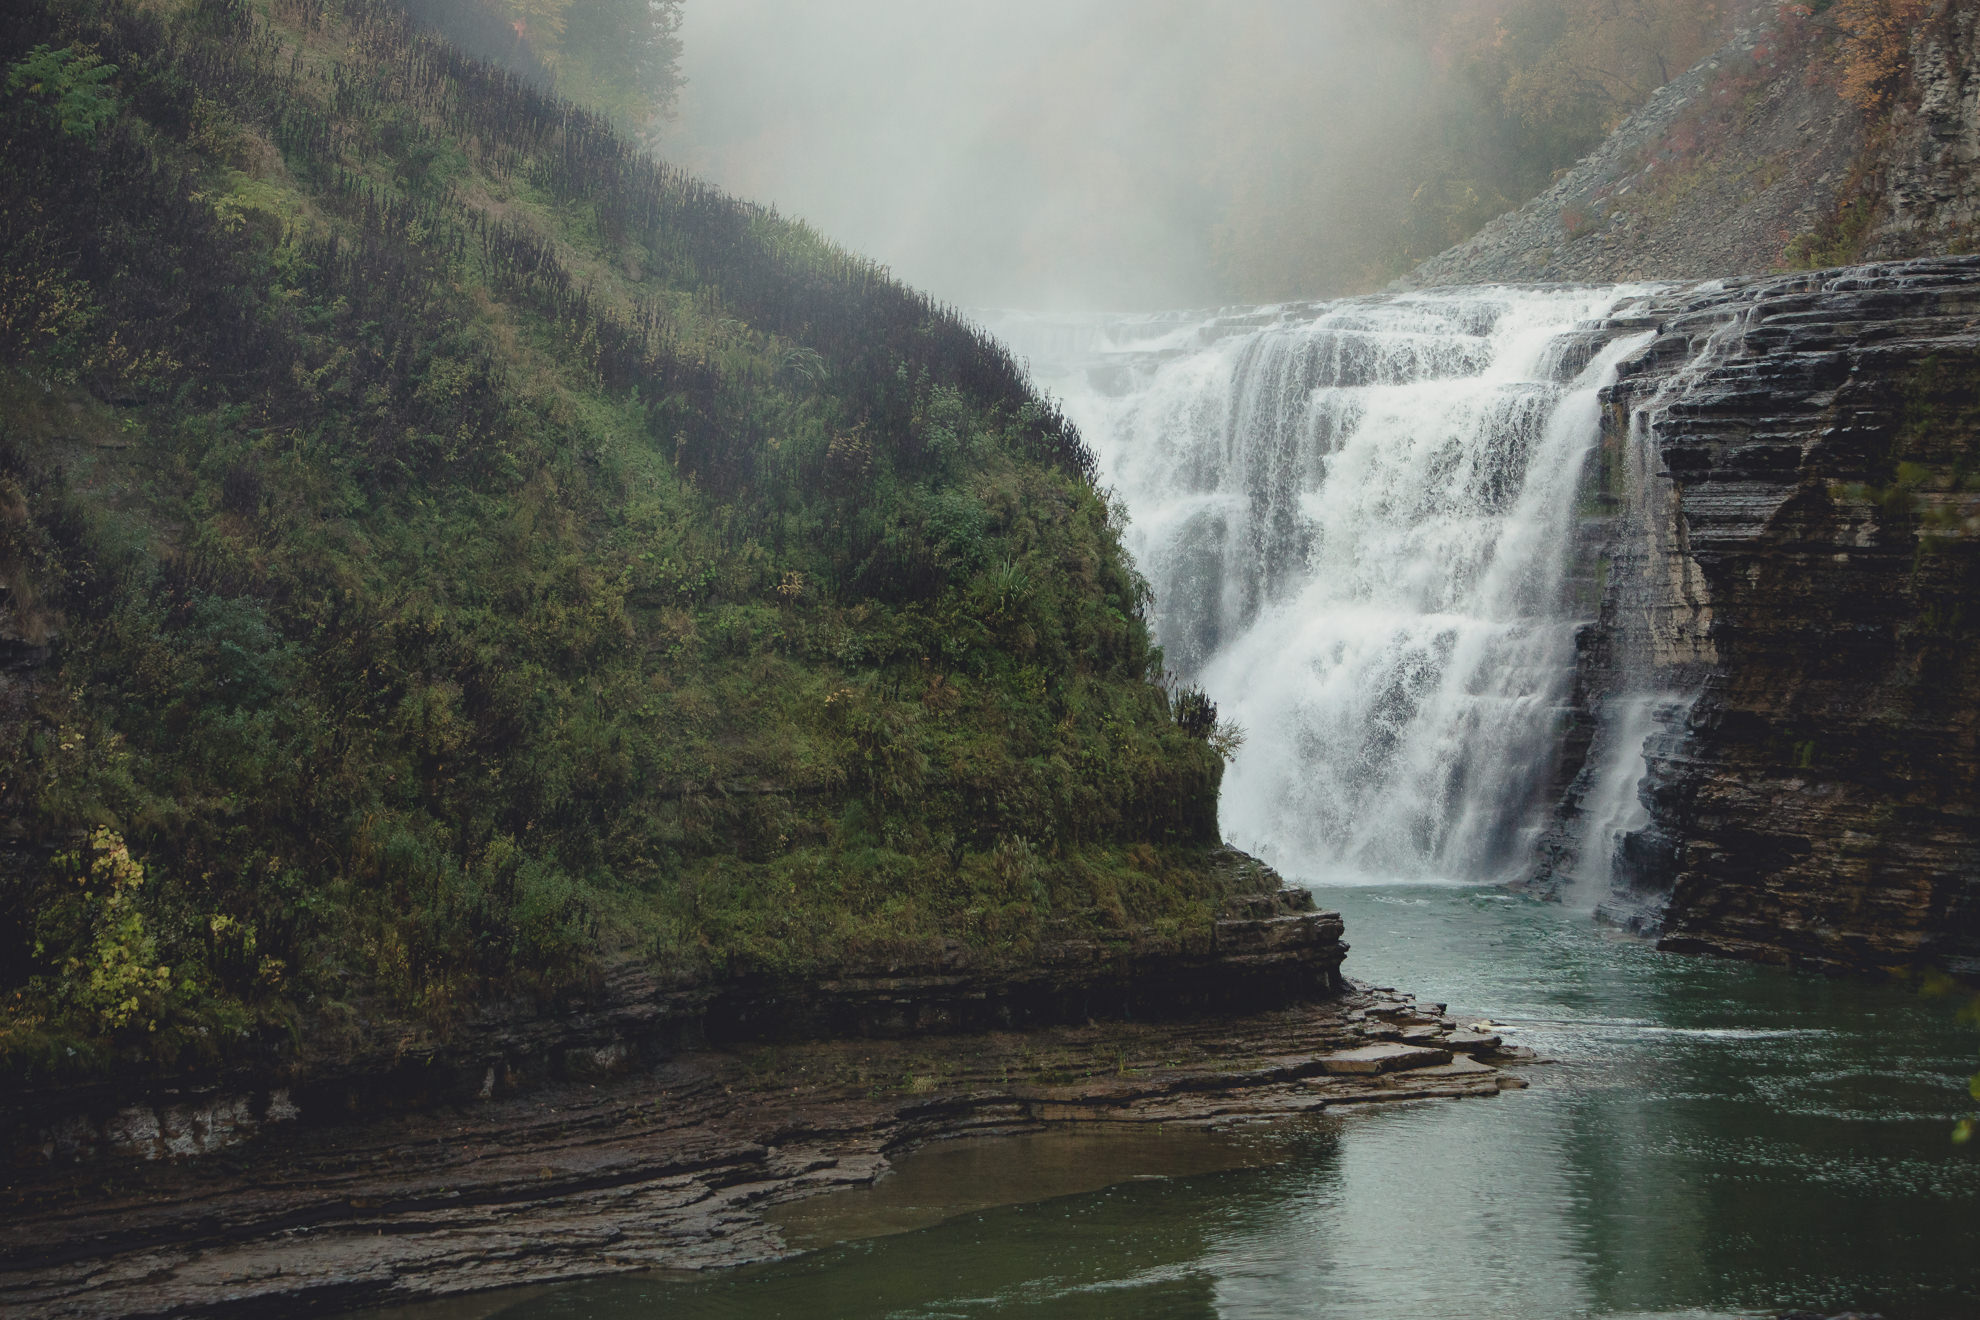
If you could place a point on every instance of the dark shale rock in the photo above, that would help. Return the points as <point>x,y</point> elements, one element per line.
<point>1368,1060</point>
<point>648,1124</point>
<point>669,1166</point>
<point>1928,187</point>
<point>1271,949</point>
<point>1800,567</point>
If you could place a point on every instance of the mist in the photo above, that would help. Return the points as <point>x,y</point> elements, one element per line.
<point>1060,154</point>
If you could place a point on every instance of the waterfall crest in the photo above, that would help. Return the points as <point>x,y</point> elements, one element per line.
<point>1356,518</point>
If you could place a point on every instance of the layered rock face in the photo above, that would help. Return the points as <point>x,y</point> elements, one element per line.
<point>1791,473</point>
<point>1928,193</point>
<point>1780,530</point>
<point>1268,949</point>
<point>669,1167</point>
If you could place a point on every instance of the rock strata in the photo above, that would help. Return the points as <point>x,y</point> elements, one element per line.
<point>1369,1060</point>
<point>1270,948</point>
<point>1794,466</point>
<point>1927,196</point>
<point>670,1166</point>
<point>648,1123</point>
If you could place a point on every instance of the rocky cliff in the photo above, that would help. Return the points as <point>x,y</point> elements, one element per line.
<point>1760,159</point>
<point>1791,487</point>
<point>1779,533</point>
<point>1922,192</point>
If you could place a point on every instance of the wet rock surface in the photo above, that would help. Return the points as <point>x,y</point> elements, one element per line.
<point>647,1124</point>
<point>1369,1060</point>
<point>1801,575</point>
<point>670,1166</point>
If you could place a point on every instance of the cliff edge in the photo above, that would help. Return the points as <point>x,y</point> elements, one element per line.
<point>1792,485</point>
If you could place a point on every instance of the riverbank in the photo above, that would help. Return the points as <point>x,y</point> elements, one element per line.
<point>1714,1140</point>
<point>1266,947</point>
<point>673,1168</point>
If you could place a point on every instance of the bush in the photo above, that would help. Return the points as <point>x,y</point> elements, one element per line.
<point>69,85</point>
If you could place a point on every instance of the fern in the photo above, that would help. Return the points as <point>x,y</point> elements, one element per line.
<point>71,86</point>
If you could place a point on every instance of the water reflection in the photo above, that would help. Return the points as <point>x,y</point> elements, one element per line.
<point>955,1177</point>
<point>1715,1140</point>
<point>1138,1249</point>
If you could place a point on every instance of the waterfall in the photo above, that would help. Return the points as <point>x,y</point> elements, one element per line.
<point>1357,519</point>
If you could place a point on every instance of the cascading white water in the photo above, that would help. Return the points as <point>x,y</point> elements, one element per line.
<point>1356,520</point>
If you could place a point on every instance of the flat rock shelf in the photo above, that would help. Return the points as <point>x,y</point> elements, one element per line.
<point>673,1168</point>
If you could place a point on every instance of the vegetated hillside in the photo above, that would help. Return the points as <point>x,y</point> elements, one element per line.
<point>445,551</point>
<point>1820,136</point>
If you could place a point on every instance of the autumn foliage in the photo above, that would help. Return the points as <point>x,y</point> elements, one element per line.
<point>1581,60</point>
<point>1531,86</point>
<point>1874,47</point>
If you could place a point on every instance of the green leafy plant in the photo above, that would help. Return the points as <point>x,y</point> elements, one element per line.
<point>114,976</point>
<point>1196,715</point>
<point>503,555</point>
<point>70,84</point>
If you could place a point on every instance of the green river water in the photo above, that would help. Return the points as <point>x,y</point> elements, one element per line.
<point>1713,1140</point>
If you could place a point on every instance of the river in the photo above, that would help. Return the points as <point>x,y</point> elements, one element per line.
<point>1356,522</point>
<point>1714,1139</point>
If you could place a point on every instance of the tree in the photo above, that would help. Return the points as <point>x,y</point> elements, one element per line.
<point>623,57</point>
<point>1874,50</point>
<point>1599,59</point>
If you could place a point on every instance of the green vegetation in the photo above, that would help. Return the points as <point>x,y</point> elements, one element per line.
<point>468,552</point>
<point>69,84</point>
<point>1837,241</point>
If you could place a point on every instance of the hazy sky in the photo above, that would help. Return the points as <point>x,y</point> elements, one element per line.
<point>1039,153</point>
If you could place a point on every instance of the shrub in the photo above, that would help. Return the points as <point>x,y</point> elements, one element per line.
<point>113,976</point>
<point>69,85</point>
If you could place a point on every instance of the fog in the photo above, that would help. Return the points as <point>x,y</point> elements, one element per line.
<point>1063,153</point>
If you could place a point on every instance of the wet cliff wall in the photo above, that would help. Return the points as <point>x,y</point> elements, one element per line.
<point>1793,466</point>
